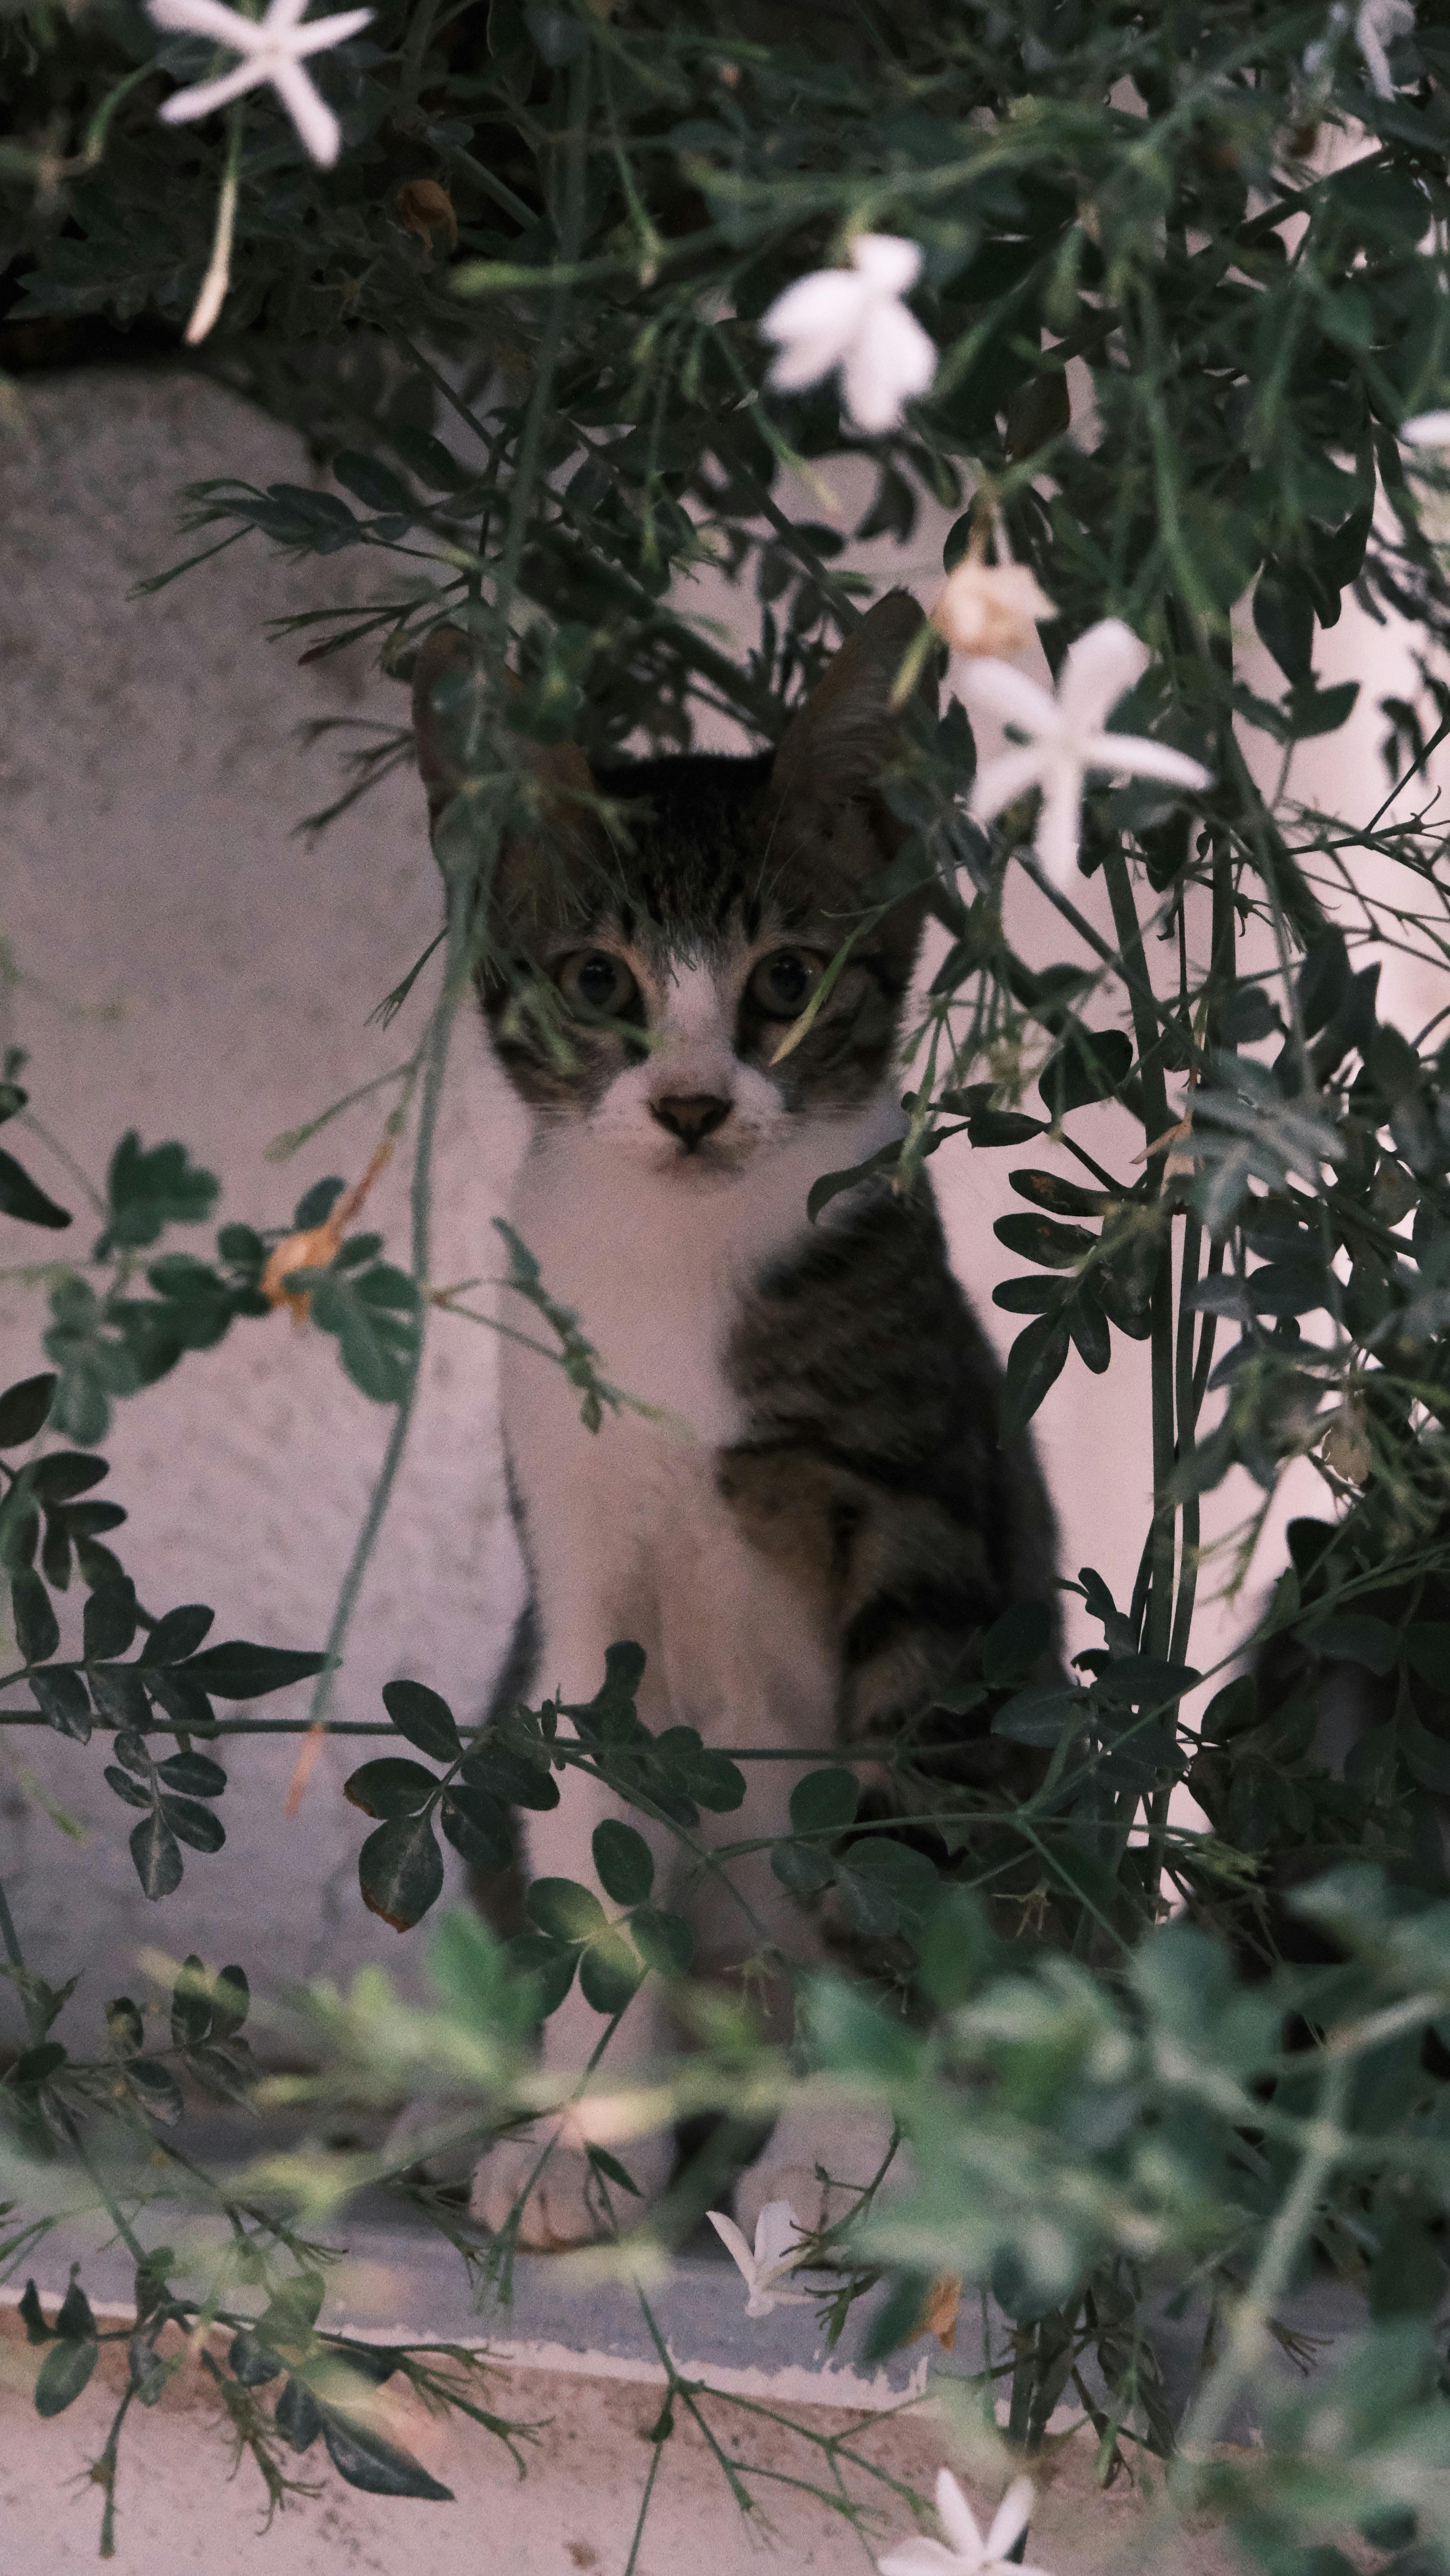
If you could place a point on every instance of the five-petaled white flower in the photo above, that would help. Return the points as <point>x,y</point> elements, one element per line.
<point>1066,737</point>
<point>965,2552</point>
<point>1376,24</point>
<point>775,2252</point>
<point>853,318</point>
<point>1427,429</point>
<point>272,50</point>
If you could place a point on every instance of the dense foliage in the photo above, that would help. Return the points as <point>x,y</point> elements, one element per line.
<point>1184,268</point>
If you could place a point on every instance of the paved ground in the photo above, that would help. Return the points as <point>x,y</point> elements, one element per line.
<point>576,2509</point>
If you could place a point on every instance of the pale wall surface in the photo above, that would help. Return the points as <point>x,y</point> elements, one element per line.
<point>194,967</point>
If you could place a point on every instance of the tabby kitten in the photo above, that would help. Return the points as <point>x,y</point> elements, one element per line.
<point>815,1555</point>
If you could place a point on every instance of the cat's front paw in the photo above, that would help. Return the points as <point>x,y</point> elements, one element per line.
<point>568,2204</point>
<point>820,2161</point>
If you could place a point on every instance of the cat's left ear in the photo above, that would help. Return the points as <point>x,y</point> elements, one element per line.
<point>836,746</point>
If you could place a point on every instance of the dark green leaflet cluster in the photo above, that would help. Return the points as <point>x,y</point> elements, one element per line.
<point>107,1342</point>
<point>324,2393</point>
<point>171,1682</point>
<point>512,1763</point>
<point>47,2089</point>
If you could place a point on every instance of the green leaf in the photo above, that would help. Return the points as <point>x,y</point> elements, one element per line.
<point>185,1702</point>
<point>802,1867</point>
<point>664,1941</point>
<point>563,1910</point>
<point>1088,1326</point>
<point>390,1787</point>
<point>1037,1716</point>
<point>1089,1065</point>
<point>231,2000</point>
<point>61,1698</point>
<point>1284,616</point>
<point>157,1857</point>
<point>1231,1711</point>
<point>32,2316</point>
<point>1356,1638</point>
<point>366,2460</point>
<point>298,2416</point>
<point>37,1629</point>
<point>400,1871</point>
<point>109,1621</point>
<point>239,1670</point>
<point>424,1718</point>
<point>124,2027</point>
<point>35,2066</point>
<point>64,1474</point>
<point>1038,1238</point>
<point>1427,1645</point>
<point>1427,1756</point>
<point>194,1824</point>
<point>549,1964</point>
<point>1034,1364</point>
<point>177,1634</point>
<point>64,2372</point>
<point>20,1197</point>
<point>1140,1681</point>
<point>148,1191</point>
<point>25,1409</point>
<point>623,1861</point>
<point>510,1776</point>
<point>612,2170</point>
<point>381,489</point>
<point>374,1315</point>
<point>194,1774</point>
<point>316,1205</point>
<point>191,2003</point>
<point>1059,1197</point>
<point>125,1787</point>
<point>252,2362</point>
<point>825,1802</point>
<point>1014,1643</point>
<point>478,1828</point>
<point>609,1973</point>
<point>831,1184</point>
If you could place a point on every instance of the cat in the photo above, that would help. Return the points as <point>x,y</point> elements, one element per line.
<point>816,1554</point>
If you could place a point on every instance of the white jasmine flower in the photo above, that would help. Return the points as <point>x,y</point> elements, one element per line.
<point>1065,737</point>
<point>1377,23</point>
<point>853,319</point>
<point>965,2552</point>
<point>1427,429</point>
<point>775,2252</point>
<point>271,50</point>
<point>991,608</point>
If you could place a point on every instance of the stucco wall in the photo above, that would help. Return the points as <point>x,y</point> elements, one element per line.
<point>184,963</point>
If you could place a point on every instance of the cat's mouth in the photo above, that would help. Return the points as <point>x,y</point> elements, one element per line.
<point>695,1165</point>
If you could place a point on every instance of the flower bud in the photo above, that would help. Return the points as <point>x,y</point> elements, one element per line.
<point>1346,1445</point>
<point>990,608</point>
<point>422,207</point>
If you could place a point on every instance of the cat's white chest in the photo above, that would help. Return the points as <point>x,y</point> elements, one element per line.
<point>625,1530</point>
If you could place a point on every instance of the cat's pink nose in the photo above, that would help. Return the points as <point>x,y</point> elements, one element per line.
<point>691,1115</point>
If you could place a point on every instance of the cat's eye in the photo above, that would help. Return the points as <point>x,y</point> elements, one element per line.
<point>782,984</point>
<point>593,981</point>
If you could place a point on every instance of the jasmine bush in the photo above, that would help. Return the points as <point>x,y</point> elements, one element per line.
<point>569,301</point>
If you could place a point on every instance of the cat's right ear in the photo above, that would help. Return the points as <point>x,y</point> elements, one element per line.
<point>446,683</point>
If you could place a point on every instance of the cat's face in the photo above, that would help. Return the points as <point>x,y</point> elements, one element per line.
<point>652,968</point>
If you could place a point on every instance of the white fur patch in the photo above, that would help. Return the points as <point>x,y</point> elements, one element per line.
<point>626,1533</point>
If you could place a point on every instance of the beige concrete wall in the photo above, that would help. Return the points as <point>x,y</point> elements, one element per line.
<point>183,962</point>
